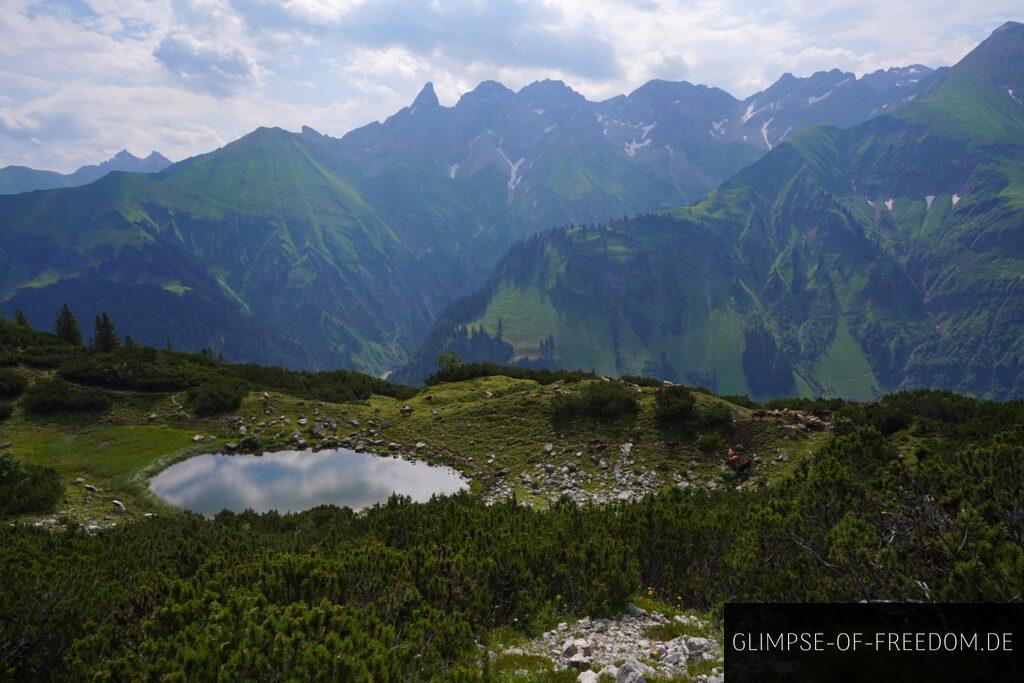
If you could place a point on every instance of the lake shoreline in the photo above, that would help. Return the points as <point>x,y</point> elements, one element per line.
<point>296,480</point>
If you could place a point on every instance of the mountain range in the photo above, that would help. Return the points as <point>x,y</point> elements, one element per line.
<point>15,179</point>
<point>312,251</point>
<point>845,262</point>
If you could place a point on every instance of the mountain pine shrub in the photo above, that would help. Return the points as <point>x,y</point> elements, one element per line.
<point>59,396</point>
<point>219,395</point>
<point>600,400</point>
<point>12,382</point>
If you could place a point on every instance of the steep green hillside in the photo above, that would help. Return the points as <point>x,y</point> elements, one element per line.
<point>263,238</point>
<point>842,263</point>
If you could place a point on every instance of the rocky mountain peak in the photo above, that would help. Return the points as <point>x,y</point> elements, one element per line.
<point>427,99</point>
<point>550,93</point>
<point>485,92</point>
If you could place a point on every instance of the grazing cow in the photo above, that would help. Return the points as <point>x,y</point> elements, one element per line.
<point>739,465</point>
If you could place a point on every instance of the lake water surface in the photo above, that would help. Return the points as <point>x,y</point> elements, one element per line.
<point>291,481</point>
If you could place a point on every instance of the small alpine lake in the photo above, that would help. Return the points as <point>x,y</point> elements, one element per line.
<point>292,481</point>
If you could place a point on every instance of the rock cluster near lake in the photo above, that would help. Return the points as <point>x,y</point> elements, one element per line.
<point>614,479</point>
<point>591,472</point>
<point>627,649</point>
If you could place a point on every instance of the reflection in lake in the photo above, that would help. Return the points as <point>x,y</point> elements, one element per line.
<point>291,481</point>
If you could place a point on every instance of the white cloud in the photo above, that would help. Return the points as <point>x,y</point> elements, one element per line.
<point>16,123</point>
<point>81,80</point>
<point>319,11</point>
<point>206,66</point>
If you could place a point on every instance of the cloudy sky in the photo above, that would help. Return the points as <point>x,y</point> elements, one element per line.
<point>81,79</point>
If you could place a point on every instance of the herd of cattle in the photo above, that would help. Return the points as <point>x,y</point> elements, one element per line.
<point>797,421</point>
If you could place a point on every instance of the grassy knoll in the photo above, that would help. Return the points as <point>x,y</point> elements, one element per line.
<point>493,429</point>
<point>511,421</point>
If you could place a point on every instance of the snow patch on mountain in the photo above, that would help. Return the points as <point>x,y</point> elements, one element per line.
<point>819,98</point>
<point>814,99</point>
<point>514,178</point>
<point>928,201</point>
<point>513,175</point>
<point>764,133</point>
<point>632,147</point>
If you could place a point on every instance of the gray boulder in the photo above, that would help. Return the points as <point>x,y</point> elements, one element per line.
<point>579,661</point>
<point>695,644</point>
<point>635,611</point>
<point>632,671</point>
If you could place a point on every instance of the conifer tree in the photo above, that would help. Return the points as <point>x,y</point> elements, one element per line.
<point>448,361</point>
<point>19,317</point>
<point>104,335</point>
<point>66,327</point>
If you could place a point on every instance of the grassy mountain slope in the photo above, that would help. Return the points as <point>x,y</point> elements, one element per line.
<point>844,262</point>
<point>265,230</point>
